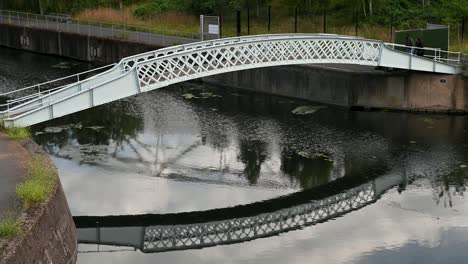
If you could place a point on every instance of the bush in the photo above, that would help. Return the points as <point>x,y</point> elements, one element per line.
<point>40,183</point>
<point>17,133</point>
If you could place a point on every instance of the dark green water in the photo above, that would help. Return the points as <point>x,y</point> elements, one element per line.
<point>192,147</point>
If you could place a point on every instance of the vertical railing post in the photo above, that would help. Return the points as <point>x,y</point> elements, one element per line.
<point>269,18</point>
<point>248,20</point>
<point>295,20</point>
<point>238,19</point>
<point>357,22</point>
<point>325,21</point>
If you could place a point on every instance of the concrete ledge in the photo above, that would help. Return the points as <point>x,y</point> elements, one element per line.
<point>49,231</point>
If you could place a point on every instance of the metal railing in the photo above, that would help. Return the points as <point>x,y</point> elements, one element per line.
<point>436,54</point>
<point>153,36</point>
<point>45,88</point>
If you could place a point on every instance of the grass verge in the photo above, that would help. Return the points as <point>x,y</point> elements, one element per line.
<point>17,133</point>
<point>10,227</point>
<point>40,183</point>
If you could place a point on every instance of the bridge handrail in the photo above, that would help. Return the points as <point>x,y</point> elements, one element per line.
<point>285,37</point>
<point>210,43</point>
<point>276,37</point>
<point>41,105</point>
<point>77,75</point>
<point>122,62</point>
<point>437,52</point>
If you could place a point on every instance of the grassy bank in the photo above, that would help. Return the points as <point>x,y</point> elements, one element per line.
<point>39,184</point>
<point>10,226</point>
<point>186,24</point>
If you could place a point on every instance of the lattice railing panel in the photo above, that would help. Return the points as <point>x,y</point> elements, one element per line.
<point>132,61</point>
<point>164,238</point>
<point>197,63</point>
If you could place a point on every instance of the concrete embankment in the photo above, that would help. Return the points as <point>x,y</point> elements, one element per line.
<point>356,86</point>
<point>49,234</point>
<point>76,46</point>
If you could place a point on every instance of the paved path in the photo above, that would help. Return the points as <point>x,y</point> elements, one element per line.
<point>12,160</point>
<point>98,31</point>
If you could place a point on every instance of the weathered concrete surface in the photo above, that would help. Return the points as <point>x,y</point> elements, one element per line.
<point>49,230</point>
<point>76,46</point>
<point>355,86</point>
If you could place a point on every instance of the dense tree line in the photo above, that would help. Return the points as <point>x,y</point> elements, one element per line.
<point>402,12</point>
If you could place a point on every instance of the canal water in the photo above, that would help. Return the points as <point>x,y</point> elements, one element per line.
<point>192,155</point>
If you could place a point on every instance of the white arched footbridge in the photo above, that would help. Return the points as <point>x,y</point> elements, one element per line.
<point>160,68</point>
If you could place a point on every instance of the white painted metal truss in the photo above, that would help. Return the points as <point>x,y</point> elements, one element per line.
<point>156,69</point>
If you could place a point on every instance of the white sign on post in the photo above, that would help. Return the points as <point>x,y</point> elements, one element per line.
<point>213,29</point>
<point>209,27</point>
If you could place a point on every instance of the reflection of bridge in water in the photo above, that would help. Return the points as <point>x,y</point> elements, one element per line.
<point>158,233</point>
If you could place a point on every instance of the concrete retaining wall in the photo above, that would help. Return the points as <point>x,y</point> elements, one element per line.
<point>49,230</point>
<point>353,86</point>
<point>69,45</point>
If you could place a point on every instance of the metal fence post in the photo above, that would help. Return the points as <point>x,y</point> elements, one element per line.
<point>295,20</point>
<point>269,18</point>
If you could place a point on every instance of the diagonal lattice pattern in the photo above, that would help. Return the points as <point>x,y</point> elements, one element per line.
<point>200,62</point>
<point>164,238</point>
<point>129,62</point>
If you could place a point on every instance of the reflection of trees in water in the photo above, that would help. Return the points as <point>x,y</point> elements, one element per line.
<point>252,153</point>
<point>309,172</point>
<point>448,186</point>
<point>102,125</point>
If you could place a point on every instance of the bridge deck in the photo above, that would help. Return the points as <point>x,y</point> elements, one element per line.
<point>157,69</point>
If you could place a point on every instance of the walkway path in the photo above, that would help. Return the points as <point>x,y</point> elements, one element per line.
<point>12,158</point>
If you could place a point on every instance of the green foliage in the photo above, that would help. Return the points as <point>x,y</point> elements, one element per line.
<point>10,227</point>
<point>40,182</point>
<point>17,133</point>
<point>151,8</point>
